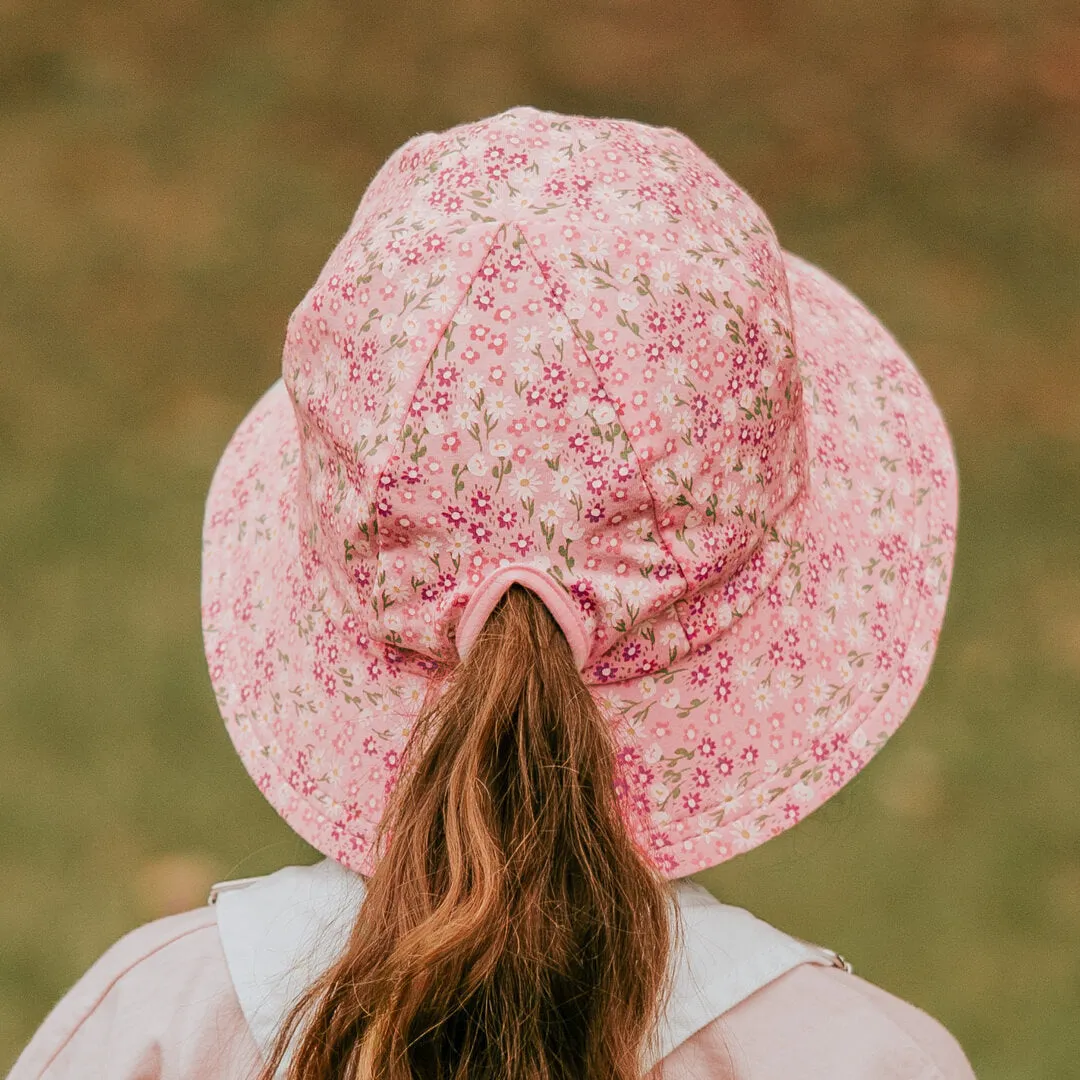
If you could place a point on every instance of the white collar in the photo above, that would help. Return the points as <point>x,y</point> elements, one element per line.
<point>280,932</point>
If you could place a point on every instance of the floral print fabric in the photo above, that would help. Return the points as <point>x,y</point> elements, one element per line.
<point>576,346</point>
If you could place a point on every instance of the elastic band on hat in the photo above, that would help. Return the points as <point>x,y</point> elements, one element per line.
<point>482,603</point>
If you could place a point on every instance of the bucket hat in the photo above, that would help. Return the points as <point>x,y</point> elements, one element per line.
<point>571,353</point>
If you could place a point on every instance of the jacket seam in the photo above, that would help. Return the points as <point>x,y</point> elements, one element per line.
<point>112,984</point>
<point>929,1068</point>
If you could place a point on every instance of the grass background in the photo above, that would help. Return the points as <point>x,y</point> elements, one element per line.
<point>173,173</point>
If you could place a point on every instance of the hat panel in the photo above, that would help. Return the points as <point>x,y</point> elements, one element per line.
<point>510,454</point>
<point>706,388</point>
<point>675,285</point>
<point>355,349</point>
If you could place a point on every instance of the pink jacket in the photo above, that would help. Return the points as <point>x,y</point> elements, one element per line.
<point>165,1003</point>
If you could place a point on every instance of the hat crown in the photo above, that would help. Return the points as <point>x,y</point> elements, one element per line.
<point>555,342</point>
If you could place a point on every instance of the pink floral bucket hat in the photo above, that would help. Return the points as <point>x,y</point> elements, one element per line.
<point>571,353</point>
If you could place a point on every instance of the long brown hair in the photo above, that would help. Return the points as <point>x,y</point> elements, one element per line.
<point>513,929</point>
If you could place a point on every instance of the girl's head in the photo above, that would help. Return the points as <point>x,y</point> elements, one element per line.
<point>567,354</point>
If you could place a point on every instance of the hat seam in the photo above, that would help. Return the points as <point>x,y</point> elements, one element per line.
<point>496,234</point>
<point>798,508</point>
<point>674,606</point>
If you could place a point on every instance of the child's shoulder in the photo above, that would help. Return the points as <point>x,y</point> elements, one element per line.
<point>817,1022</point>
<point>159,1001</point>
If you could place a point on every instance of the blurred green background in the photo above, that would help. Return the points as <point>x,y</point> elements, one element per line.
<point>173,174</point>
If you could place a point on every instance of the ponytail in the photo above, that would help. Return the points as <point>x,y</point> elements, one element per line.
<point>513,930</point>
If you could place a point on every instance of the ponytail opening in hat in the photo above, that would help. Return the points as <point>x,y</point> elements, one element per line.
<point>513,928</point>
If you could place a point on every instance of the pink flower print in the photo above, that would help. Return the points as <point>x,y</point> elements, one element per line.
<point>497,344</point>
<point>455,517</point>
<point>558,398</point>
<point>722,691</point>
<point>522,544</point>
<point>654,353</point>
<point>707,747</point>
<point>447,581</point>
<point>655,322</point>
<point>699,677</point>
<point>604,672</point>
<point>480,532</point>
<point>451,442</point>
<point>481,500</point>
<point>724,765</point>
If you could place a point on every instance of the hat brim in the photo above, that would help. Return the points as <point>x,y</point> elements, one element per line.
<point>779,713</point>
